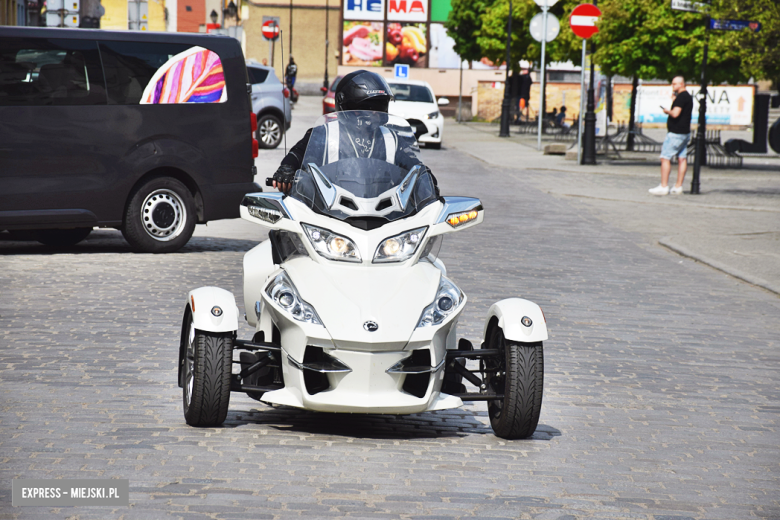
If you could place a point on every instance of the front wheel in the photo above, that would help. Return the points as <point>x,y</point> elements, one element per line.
<point>207,365</point>
<point>160,217</point>
<point>519,375</point>
<point>433,146</point>
<point>269,132</point>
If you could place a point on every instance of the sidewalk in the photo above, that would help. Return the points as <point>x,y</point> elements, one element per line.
<point>733,225</point>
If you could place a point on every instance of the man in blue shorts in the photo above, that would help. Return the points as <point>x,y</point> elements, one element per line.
<point>678,126</point>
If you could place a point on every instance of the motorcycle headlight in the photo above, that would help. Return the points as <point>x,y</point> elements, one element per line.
<point>448,298</point>
<point>332,246</point>
<point>283,293</point>
<point>432,115</point>
<point>400,247</point>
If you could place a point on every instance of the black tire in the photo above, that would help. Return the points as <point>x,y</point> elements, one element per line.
<point>433,146</point>
<point>62,237</point>
<point>269,132</point>
<point>160,216</point>
<point>519,377</point>
<point>207,365</point>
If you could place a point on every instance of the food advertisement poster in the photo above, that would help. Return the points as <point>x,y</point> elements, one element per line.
<point>362,44</point>
<point>406,43</point>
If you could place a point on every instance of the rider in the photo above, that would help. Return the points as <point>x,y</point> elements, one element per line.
<point>359,90</point>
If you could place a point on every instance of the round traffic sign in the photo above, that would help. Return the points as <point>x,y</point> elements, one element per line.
<point>583,20</point>
<point>270,30</point>
<point>537,27</point>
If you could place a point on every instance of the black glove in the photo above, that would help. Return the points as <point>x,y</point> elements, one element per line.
<point>285,174</point>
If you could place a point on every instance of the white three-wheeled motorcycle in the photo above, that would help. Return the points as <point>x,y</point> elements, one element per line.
<point>352,308</point>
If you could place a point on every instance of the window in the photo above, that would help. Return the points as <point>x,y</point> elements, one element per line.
<point>405,92</point>
<point>50,71</point>
<point>257,75</point>
<point>161,73</point>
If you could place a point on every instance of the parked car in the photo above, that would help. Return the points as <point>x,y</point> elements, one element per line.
<point>271,103</point>
<point>415,102</point>
<point>149,133</point>
<point>329,101</point>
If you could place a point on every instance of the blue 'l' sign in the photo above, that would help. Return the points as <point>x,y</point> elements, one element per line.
<point>734,25</point>
<point>401,71</point>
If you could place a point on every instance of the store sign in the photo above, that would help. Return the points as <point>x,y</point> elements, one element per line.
<point>364,9</point>
<point>407,10</point>
<point>725,105</point>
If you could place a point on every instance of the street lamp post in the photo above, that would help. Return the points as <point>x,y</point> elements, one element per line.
<point>325,81</point>
<point>589,139</point>
<point>701,131</point>
<point>505,103</point>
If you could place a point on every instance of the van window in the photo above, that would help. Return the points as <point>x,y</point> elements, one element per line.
<point>50,71</point>
<point>161,73</point>
<point>257,75</point>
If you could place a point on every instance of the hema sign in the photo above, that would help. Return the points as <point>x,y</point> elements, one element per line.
<point>364,10</point>
<point>407,10</point>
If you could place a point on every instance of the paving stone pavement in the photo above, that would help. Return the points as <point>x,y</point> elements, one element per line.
<point>661,393</point>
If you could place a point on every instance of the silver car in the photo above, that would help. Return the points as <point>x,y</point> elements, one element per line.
<point>271,103</point>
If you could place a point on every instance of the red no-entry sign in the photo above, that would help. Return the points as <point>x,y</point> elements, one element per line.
<point>270,30</point>
<point>583,20</point>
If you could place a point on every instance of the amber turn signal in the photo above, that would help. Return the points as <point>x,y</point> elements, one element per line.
<point>458,219</point>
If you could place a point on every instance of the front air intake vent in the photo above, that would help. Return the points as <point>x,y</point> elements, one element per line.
<point>384,204</point>
<point>348,203</point>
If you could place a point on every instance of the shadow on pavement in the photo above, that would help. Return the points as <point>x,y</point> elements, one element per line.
<point>430,425</point>
<point>112,241</point>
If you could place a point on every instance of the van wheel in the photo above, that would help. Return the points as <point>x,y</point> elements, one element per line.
<point>160,217</point>
<point>269,132</point>
<point>61,237</point>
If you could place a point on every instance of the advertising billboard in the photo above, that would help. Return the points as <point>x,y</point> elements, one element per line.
<point>725,105</point>
<point>373,10</point>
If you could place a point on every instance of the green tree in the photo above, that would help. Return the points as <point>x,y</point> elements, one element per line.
<point>492,37</point>
<point>464,25</point>
<point>759,53</point>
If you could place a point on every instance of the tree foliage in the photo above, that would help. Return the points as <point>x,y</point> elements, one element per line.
<point>648,39</point>
<point>759,53</point>
<point>464,25</point>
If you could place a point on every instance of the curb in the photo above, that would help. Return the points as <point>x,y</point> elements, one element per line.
<point>736,273</point>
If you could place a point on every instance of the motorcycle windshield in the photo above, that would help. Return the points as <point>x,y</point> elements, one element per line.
<point>362,164</point>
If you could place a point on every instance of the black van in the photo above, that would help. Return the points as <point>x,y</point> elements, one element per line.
<point>149,133</point>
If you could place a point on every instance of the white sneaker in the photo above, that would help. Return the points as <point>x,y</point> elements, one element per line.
<point>659,190</point>
<point>677,190</point>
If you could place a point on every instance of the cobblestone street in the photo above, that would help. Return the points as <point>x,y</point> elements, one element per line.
<point>661,382</point>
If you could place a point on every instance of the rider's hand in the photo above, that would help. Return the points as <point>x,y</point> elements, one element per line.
<point>283,178</point>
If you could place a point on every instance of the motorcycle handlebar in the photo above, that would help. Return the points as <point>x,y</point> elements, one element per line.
<point>269,181</point>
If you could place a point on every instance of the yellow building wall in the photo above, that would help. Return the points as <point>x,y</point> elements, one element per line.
<point>308,43</point>
<point>115,18</point>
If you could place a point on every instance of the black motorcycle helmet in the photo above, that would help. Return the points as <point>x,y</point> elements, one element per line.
<point>363,90</point>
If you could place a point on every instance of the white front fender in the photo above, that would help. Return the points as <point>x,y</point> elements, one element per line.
<point>509,314</point>
<point>202,302</point>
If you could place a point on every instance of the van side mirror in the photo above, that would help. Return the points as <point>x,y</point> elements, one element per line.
<point>443,101</point>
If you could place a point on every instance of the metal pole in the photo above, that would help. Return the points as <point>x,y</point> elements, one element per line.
<point>582,104</point>
<point>701,132</point>
<point>589,145</point>
<point>505,102</point>
<point>289,47</point>
<point>460,90</point>
<point>541,92</point>
<point>325,81</point>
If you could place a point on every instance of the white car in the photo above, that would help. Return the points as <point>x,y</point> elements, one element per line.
<point>415,102</point>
